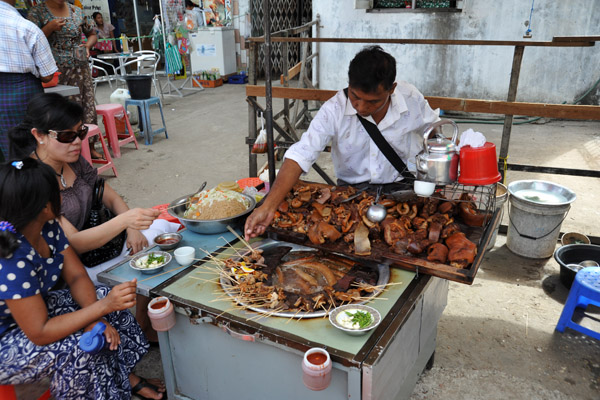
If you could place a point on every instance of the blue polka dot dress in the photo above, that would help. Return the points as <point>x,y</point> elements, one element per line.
<point>74,374</point>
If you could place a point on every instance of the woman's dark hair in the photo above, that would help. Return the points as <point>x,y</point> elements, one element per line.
<point>188,3</point>
<point>45,111</point>
<point>370,68</point>
<point>24,193</point>
<point>94,15</point>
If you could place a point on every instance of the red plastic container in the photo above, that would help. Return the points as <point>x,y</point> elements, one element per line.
<point>164,213</point>
<point>53,82</point>
<point>479,166</point>
<point>252,182</point>
<point>161,314</point>
<point>316,369</point>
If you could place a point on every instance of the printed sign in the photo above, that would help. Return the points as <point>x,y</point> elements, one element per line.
<point>207,50</point>
<point>92,6</point>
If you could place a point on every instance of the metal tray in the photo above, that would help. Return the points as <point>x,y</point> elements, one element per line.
<point>382,269</point>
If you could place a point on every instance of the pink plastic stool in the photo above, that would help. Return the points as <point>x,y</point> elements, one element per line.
<point>85,150</point>
<point>7,392</point>
<point>115,140</point>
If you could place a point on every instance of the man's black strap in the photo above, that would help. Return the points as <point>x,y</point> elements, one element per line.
<point>384,146</point>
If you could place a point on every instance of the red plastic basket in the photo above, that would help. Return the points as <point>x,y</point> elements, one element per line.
<point>245,182</point>
<point>164,213</point>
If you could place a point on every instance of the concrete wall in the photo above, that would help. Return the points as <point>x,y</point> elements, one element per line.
<point>551,75</point>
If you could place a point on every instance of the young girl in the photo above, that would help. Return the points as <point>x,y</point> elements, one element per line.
<point>40,328</point>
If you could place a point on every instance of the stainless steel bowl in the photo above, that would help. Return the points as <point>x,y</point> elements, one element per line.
<point>560,195</point>
<point>168,236</point>
<point>208,226</point>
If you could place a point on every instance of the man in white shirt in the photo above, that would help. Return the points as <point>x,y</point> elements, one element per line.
<point>25,62</point>
<point>399,111</point>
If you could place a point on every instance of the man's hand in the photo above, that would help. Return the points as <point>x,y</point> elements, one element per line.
<point>258,221</point>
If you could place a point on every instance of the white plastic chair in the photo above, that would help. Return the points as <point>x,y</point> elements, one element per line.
<point>146,63</point>
<point>102,66</point>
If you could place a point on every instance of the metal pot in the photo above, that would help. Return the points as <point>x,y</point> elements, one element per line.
<point>438,161</point>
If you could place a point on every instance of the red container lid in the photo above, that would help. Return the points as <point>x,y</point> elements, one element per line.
<point>252,182</point>
<point>479,165</point>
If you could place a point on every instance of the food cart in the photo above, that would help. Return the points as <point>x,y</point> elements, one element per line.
<point>219,351</point>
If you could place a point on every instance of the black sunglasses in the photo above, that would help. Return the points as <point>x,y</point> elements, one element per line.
<point>69,136</point>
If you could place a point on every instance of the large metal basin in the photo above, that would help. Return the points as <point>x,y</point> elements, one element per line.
<point>208,226</point>
<point>535,192</point>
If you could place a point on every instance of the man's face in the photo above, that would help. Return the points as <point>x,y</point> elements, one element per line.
<point>367,104</point>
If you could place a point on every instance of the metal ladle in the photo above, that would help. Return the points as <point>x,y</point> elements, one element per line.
<point>376,212</point>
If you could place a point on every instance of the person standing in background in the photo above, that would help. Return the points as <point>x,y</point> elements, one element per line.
<point>104,30</point>
<point>27,61</point>
<point>63,25</point>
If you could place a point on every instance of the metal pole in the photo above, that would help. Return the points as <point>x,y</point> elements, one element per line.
<point>269,97</point>
<point>137,24</point>
<point>508,119</point>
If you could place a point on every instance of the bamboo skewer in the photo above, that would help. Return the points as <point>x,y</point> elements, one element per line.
<point>240,238</point>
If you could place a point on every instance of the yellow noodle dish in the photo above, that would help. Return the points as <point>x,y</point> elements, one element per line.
<point>216,204</point>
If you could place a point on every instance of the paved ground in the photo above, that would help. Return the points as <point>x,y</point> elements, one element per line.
<point>496,338</point>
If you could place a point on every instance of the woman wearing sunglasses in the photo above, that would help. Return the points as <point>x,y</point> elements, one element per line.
<point>52,132</point>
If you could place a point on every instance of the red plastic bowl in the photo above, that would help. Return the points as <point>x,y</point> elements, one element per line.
<point>479,165</point>
<point>53,82</point>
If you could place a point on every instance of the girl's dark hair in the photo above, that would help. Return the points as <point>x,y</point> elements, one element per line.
<point>94,15</point>
<point>188,3</point>
<point>23,194</point>
<point>370,68</point>
<point>45,111</point>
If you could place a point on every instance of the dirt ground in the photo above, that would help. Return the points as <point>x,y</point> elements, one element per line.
<point>496,338</point>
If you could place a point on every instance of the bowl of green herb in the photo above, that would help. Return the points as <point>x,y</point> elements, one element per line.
<point>355,319</point>
<point>151,262</point>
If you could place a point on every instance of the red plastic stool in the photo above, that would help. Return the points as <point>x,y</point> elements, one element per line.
<point>85,150</point>
<point>7,392</point>
<point>116,140</point>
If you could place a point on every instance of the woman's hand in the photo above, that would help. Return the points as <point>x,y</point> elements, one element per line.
<point>110,333</point>
<point>136,241</point>
<point>112,336</point>
<point>55,25</point>
<point>121,297</point>
<point>139,218</point>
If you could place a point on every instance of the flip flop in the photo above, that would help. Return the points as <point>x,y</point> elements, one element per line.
<point>143,383</point>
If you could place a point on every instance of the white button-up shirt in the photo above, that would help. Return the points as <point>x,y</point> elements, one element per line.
<point>23,46</point>
<point>356,158</point>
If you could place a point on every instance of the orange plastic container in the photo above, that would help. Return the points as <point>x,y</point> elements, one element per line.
<point>53,82</point>
<point>209,84</point>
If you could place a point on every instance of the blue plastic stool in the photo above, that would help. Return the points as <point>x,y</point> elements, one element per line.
<point>585,291</point>
<point>144,112</point>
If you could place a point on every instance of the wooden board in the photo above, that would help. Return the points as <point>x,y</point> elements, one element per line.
<point>567,111</point>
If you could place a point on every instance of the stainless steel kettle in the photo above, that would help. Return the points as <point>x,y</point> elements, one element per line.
<point>438,161</point>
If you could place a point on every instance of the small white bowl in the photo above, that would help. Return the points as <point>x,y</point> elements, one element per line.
<point>423,188</point>
<point>376,320</point>
<point>185,255</point>
<point>144,257</point>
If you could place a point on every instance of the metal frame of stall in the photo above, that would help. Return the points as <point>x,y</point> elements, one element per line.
<point>508,108</point>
